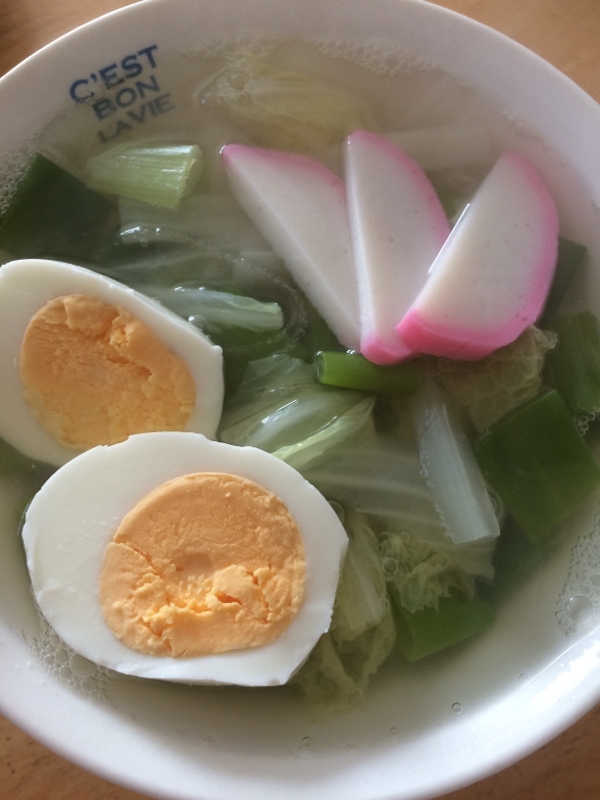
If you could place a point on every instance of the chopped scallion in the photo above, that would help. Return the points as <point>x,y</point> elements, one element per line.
<point>353,371</point>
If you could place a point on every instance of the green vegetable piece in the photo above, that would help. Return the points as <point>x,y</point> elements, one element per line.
<point>538,463</point>
<point>427,631</point>
<point>53,213</point>
<point>571,257</point>
<point>12,462</point>
<point>353,371</point>
<point>516,558</point>
<point>575,362</point>
<point>161,175</point>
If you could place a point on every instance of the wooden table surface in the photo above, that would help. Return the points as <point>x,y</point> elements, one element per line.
<point>564,32</point>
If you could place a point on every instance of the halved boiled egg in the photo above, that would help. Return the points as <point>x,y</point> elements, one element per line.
<point>175,557</point>
<point>86,361</point>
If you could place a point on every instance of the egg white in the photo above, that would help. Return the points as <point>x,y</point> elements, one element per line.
<point>72,519</point>
<point>27,285</point>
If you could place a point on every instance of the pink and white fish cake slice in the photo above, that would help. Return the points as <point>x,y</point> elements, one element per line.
<point>299,206</point>
<point>398,226</point>
<point>492,276</point>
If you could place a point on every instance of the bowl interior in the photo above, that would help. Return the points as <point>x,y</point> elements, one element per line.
<point>426,728</point>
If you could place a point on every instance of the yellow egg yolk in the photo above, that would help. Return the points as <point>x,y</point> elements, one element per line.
<point>206,563</point>
<point>94,374</point>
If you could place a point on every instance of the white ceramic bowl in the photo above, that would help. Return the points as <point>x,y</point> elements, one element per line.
<point>427,728</point>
